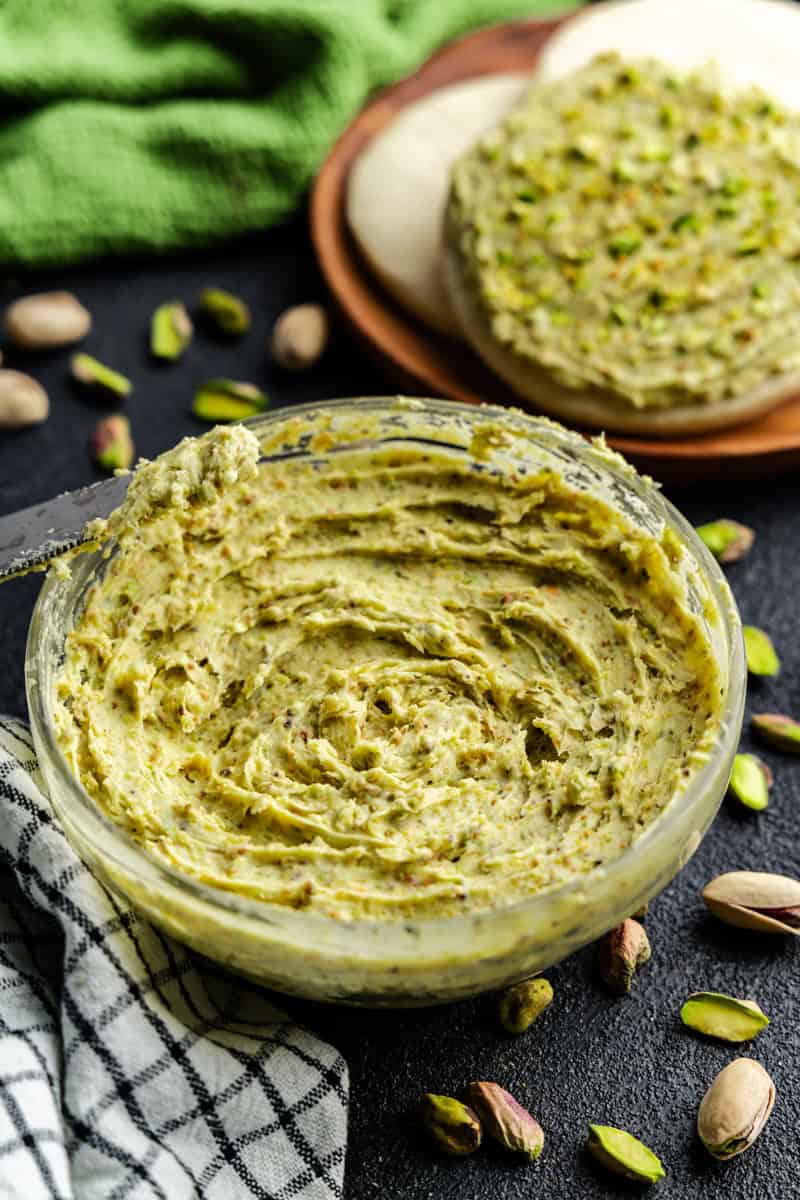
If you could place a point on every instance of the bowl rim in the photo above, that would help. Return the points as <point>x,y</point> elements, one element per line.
<point>408,933</point>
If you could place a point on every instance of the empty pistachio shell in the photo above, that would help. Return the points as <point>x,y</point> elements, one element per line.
<point>750,781</point>
<point>112,445</point>
<point>299,336</point>
<point>46,320</point>
<point>226,312</point>
<point>171,330</point>
<point>88,370</point>
<point>735,1108</point>
<point>723,1016</point>
<point>779,731</point>
<point>761,656</point>
<point>727,540</point>
<point>23,401</point>
<point>622,950</point>
<point>505,1120</point>
<point>228,400</point>
<point>755,900</point>
<point>453,1125</point>
<point>521,1004</point>
<point>624,1154</point>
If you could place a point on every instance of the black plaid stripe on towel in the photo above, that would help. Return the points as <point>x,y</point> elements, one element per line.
<point>129,1069</point>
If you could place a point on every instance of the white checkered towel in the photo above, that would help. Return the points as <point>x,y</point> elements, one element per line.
<point>130,1069</point>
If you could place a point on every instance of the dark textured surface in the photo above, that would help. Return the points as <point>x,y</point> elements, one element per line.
<point>591,1057</point>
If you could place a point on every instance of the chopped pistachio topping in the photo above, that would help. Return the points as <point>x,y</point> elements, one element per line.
<point>656,185</point>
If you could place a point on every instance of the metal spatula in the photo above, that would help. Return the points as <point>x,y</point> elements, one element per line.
<point>32,538</point>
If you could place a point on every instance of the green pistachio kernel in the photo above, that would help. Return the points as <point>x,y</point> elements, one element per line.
<point>228,400</point>
<point>624,1154</point>
<point>761,656</point>
<point>750,781</point>
<point>89,371</point>
<point>171,331</point>
<point>723,1017</point>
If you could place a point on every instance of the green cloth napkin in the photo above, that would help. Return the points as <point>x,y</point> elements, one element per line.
<point>132,125</point>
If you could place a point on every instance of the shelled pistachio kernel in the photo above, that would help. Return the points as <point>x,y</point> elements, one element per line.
<point>228,400</point>
<point>226,312</point>
<point>171,330</point>
<point>624,1154</point>
<point>750,781</point>
<point>761,656</point>
<point>727,540</point>
<point>621,951</point>
<point>111,443</point>
<point>521,1004</point>
<point>453,1125</point>
<point>504,1119</point>
<point>735,1108</point>
<point>723,1017</point>
<point>87,370</point>
<point>779,731</point>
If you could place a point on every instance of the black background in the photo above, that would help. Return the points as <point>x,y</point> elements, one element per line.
<point>591,1057</point>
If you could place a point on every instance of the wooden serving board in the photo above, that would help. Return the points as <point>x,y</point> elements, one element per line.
<point>423,362</point>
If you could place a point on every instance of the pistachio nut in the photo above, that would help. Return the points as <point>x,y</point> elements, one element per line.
<point>46,320</point>
<point>760,652</point>
<point>224,311</point>
<point>622,950</point>
<point>299,336</point>
<point>453,1125</point>
<point>750,781</point>
<point>521,1004</point>
<point>723,1017</point>
<point>624,1154</point>
<point>727,540</point>
<point>89,371</point>
<point>735,1108</point>
<point>779,731</point>
<point>111,444</point>
<point>23,401</point>
<point>755,900</point>
<point>171,330</point>
<point>228,400</point>
<point>504,1119</point>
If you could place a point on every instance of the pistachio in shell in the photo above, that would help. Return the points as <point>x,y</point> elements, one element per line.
<point>724,1017</point>
<point>23,400</point>
<point>735,1108</point>
<point>46,320</point>
<point>755,900</point>
<point>750,781</point>
<point>762,658</point>
<point>622,1153</point>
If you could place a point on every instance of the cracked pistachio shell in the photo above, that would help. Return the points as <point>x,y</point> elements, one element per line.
<point>779,731</point>
<point>624,1154</point>
<point>723,1016</point>
<point>755,900</point>
<point>750,781</point>
<point>89,371</point>
<point>523,1003</point>
<point>228,400</point>
<point>760,652</point>
<point>171,330</point>
<point>226,312</point>
<point>727,540</point>
<point>453,1125</point>
<point>735,1108</point>
<point>504,1119</point>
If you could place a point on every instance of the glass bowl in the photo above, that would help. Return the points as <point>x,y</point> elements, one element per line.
<point>414,962</point>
